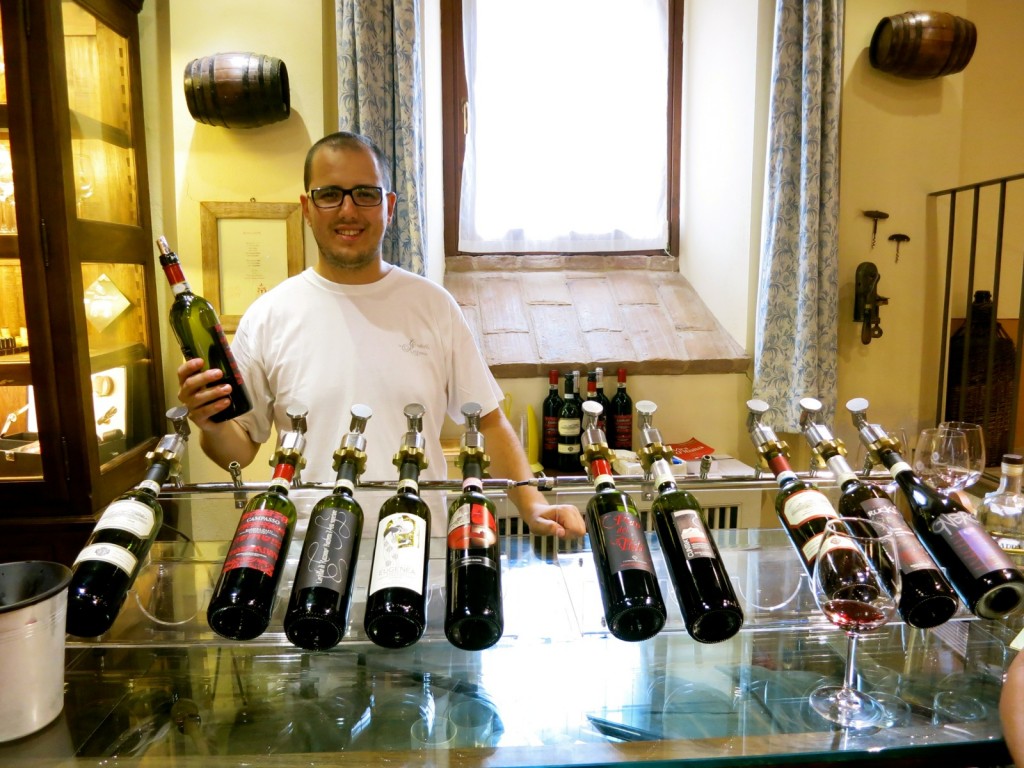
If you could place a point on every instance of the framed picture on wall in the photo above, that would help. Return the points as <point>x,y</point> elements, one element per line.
<point>248,248</point>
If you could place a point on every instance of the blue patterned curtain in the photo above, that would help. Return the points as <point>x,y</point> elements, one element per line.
<point>795,348</point>
<point>380,95</point>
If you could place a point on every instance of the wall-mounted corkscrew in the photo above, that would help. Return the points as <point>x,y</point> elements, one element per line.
<point>875,216</point>
<point>866,302</point>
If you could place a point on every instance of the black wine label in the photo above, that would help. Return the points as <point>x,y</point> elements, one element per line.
<point>971,543</point>
<point>625,543</point>
<point>258,541</point>
<point>692,534</point>
<point>910,553</point>
<point>326,559</point>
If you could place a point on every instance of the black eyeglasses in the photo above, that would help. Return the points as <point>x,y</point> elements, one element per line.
<point>332,197</point>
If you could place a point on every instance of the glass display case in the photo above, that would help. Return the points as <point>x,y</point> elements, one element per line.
<point>557,689</point>
<point>80,379</point>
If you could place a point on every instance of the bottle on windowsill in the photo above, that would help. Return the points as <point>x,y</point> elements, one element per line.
<point>620,432</point>
<point>711,611</point>
<point>633,605</point>
<point>551,408</point>
<point>473,618</point>
<point>803,510</point>
<point>926,598</point>
<point>981,573</point>
<point>396,603</point>
<point>198,331</point>
<point>570,420</point>
<point>116,550</point>
<point>243,600</point>
<point>321,596</point>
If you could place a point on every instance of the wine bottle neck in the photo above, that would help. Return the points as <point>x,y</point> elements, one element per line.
<point>282,479</point>
<point>894,462</point>
<point>409,477</point>
<point>1009,482</point>
<point>779,465</point>
<point>471,474</point>
<point>661,475</point>
<point>601,474</point>
<point>346,478</point>
<point>841,470</point>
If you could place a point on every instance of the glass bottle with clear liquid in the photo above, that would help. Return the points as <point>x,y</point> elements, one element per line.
<point>1001,512</point>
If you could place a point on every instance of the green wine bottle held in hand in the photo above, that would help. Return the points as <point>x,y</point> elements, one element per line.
<point>243,600</point>
<point>198,331</point>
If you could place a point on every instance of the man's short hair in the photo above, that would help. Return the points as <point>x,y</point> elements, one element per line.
<point>348,140</point>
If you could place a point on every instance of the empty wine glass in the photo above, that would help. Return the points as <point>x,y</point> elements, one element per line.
<point>857,559</point>
<point>941,459</point>
<point>975,448</point>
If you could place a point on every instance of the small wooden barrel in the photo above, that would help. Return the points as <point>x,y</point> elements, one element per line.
<point>237,90</point>
<point>923,44</point>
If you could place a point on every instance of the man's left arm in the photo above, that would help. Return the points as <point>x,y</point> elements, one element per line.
<point>508,460</point>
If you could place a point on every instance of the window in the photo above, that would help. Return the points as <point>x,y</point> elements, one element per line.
<point>561,125</point>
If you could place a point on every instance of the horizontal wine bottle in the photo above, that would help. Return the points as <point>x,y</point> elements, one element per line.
<point>634,608</point>
<point>981,573</point>
<point>321,596</point>
<point>802,508</point>
<point>243,599</point>
<point>117,548</point>
<point>711,612</point>
<point>396,603</point>
<point>474,618</point>
<point>199,333</point>
<point>926,599</point>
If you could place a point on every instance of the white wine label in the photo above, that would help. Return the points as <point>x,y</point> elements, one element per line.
<point>833,543</point>
<point>971,543</point>
<point>109,553</point>
<point>346,484</point>
<point>910,552</point>
<point>807,505</point>
<point>899,466</point>
<point>258,541</point>
<point>329,550</point>
<point>568,447</point>
<point>398,553</point>
<point>128,515</point>
<point>408,485</point>
<point>569,427</point>
<point>811,547</point>
<point>692,534</point>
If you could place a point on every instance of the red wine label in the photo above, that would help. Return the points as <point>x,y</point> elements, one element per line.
<point>692,534</point>
<point>398,553</point>
<point>550,433</point>
<point>625,542</point>
<point>471,527</point>
<point>117,556</point>
<point>128,515</point>
<point>971,543</point>
<point>622,431</point>
<point>228,354</point>
<point>910,552</point>
<point>327,555</point>
<point>258,541</point>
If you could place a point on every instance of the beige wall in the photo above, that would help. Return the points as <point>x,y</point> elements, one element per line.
<point>901,140</point>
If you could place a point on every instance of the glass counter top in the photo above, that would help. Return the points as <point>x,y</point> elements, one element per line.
<point>558,689</point>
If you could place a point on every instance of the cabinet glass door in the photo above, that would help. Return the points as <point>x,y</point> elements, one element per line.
<point>19,442</point>
<point>99,97</point>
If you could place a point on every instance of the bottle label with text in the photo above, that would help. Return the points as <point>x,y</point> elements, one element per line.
<point>328,553</point>
<point>626,544</point>
<point>258,541</point>
<point>910,553</point>
<point>971,542</point>
<point>109,553</point>
<point>692,534</point>
<point>472,531</point>
<point>807,505</point>
<point>128,515</point>
<point>398,553</point>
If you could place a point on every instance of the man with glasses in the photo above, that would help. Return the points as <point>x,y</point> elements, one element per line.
<point>355,329</point>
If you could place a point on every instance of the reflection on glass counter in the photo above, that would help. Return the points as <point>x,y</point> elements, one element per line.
<point>557,689</point>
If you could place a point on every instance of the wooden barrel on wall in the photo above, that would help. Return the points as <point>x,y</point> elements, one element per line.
<point>923,44</point>
<point>237,90</point>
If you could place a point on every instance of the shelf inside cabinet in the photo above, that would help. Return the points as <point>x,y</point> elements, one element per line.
<point>102,358</point>
<point>15,370</point>
<point>9,246</point>
<point>85,127</point>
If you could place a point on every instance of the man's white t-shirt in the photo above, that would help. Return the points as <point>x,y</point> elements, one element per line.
<point>400,340</point>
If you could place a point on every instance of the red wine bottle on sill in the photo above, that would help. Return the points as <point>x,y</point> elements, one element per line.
<point>707,600</point>
<point>321,596</point>
<point>570,420</point>
<point>803,510</point>
<point>926,598</point>
<point>198,331</point>
<point>633,605</point>
<point>981,573</point>
<point>594,394</point>
<point>551,408</point>
<point>116,550</point>
<point>243,600</point>
<point>620,417</point>
<point>396,603</point>
<point>473,618</point>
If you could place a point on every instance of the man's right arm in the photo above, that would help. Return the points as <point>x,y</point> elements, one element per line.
<point>223,442</point>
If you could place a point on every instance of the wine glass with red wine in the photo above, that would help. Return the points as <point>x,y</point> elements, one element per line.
<point>856,586</point>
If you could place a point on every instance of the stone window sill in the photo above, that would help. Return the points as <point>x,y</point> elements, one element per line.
<point>530,314</point>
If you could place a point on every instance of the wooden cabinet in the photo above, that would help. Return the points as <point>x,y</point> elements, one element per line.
<point>81,397</point>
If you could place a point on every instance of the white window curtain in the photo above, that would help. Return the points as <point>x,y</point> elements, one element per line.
<point>567,143</point>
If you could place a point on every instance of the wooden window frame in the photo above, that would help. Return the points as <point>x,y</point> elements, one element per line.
<point>454,93</point>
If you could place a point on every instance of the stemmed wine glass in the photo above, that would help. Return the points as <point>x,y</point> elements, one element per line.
<point>856,586</point>
<point>941,459</point>
<point>975,448</point>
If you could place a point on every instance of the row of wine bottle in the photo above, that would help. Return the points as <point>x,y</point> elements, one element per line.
<point>945,552</point>
<point>561,447</point>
